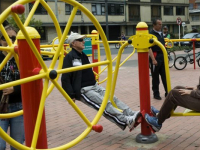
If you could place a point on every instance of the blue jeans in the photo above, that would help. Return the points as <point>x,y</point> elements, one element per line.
<point>16,126</point>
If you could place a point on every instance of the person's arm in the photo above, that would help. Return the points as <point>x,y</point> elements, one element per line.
<point>67,77</point>
<point>152,57</point>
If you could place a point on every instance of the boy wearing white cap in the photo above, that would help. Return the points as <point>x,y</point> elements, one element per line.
<point>81,85</point>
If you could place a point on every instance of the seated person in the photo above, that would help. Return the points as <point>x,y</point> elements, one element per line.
<point>81,85</point>
<point>186,97</point>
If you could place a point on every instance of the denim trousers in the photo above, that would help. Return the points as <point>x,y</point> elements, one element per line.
<point>16,126</point>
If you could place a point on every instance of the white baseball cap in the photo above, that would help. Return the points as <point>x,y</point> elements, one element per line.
<point>74,36</point>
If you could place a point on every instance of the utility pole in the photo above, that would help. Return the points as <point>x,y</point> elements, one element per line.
<point>56,9</point>
<point>107,30</point>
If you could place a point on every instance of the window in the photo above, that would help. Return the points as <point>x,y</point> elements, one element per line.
<point>134,13</point>
<point>180,10</point>
<point>69,8</point>
<point>42,32</point>
<point>196,27</point>
<point>198,6</point>
<point>155,12</point>
<point>40,9</point>
<point>98,9</point>
<point>134,0</point>
<point>115,9</point>
<point>155,1</point>
<point>168,10</point>
<point>191,6</point>
<point>195,18</point>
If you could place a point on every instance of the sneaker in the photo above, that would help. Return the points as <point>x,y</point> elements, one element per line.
<point>153,122</point>
<point>131,119</point>
<point>154,111</point>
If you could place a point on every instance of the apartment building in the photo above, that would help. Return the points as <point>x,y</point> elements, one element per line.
<point>122,15</point>
<point>194,15</point>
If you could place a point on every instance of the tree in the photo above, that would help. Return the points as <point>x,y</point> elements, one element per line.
<point>37,24</point>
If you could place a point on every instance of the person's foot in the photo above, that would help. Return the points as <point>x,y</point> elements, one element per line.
<point>131,119</point>
<point>153,122</point>
<point>157,97</point>
<point>166,94</point>
<point>154,111</point>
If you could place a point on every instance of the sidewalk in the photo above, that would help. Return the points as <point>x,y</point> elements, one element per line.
<point>64,125</point>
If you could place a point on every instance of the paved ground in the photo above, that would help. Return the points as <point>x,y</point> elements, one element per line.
<point>64,125</point>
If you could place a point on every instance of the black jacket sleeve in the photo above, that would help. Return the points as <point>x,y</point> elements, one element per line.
<point>66,78</point>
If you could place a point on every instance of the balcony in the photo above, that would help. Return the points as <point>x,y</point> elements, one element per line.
<point>155,1</point>
<point>134,18</point>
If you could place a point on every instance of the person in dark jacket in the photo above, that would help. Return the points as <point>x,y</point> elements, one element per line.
<point>10,73</point>
<point>187,97</point>
<point>81,85</point>
<point>157,60</point>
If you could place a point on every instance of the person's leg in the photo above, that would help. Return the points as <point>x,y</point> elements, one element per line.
<point>163,77</point>
<point>4,123</point>
<point>174,99</point>
<point>126,110</point>
<point>17,125</point>
<point>94,97</point>
<point>155,79</point>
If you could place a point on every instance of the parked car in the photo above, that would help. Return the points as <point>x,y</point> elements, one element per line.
<point>55,41</point>
<point>189,43</point>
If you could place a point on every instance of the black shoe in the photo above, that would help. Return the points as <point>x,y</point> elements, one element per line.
<point>166,94</point>
<point>157,97</point>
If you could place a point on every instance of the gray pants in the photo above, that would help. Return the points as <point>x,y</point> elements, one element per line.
<point>93,97</point>
<point>174,99</point>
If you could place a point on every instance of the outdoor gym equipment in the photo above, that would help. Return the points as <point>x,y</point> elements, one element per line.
<point>51,73</point>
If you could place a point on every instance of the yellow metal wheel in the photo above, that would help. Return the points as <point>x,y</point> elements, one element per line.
<point>44,73</point>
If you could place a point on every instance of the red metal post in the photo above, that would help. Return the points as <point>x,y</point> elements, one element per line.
<point>95,51</point>
<point>194,59</point>
<point>31,92</point>
<point>144,87</point>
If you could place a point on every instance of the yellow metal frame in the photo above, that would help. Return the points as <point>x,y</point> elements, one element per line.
<point>44,73</point>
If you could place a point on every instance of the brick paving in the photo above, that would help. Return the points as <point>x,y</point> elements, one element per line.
<point>64,125</point>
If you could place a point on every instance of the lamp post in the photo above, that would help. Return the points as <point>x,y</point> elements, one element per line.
<point>56,9</point>
<point>107,30</point>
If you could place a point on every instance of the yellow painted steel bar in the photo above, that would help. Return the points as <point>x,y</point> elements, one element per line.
<point>2,48</point>
<point>183,40</point>
<point>31,13</point>
<point>11,141</point>
<point>82,67</point>
<point>11,115</point>
<point>4,33</point>
<point>30,42</point>
<point>116,73</point>
<point>40,114</point>
<point>55,45</point>
<point>3,63</point>
<point>106,66</point>
<point>176,114</point>
<point>71,102</point>
<point>22,81</point>
<point>48,53</point>
<point>56,24</point>
<point>119,66</point>
<point>67,28</point>
<point>166,64</point>
<point>112,41</point>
